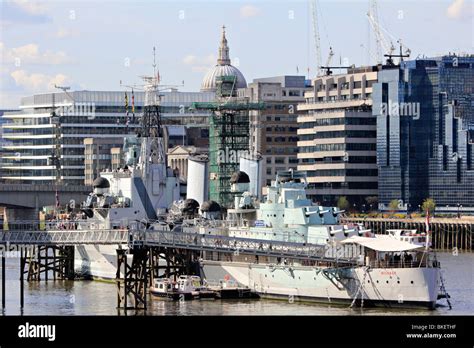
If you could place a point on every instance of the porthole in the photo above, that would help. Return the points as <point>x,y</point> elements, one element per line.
<point>387,281</point>
<point>411,282</point>
<point>398,282</point>
<point>377,281</point>
<point>368,281</point>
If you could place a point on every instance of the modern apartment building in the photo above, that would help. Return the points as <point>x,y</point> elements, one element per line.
<point>274,129</point>
<point>98,156</point>
<point>337,137</point>
<point>425,128</point>
<point>34,135</point>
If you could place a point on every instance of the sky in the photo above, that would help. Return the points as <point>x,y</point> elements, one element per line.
<point>94,45</point>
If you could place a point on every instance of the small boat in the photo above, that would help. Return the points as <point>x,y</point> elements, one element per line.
<point>162,287</point>
<point>227,289</point>
<point>184,289</point>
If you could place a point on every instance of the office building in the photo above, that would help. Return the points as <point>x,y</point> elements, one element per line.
<point>337,137</point>
<point>425,125</point>
<point>34,136</point>
<point>273,131</point>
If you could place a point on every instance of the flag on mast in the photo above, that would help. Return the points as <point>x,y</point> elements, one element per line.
<point>133,103</point>
<point>126,108</point>
<point>427,222</point>
<point>57,199</point>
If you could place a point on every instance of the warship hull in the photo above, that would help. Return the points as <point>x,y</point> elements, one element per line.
<point>379,287</point>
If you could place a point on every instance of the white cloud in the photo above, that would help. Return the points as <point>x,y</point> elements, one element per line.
<point>66,33</point>
<point>190,59</point>
<point>457,9</point>
<point>248,11</point>
<point>32,7</point>
<point>38,82</point>
<point>200,64</point>
<point>32,54</point>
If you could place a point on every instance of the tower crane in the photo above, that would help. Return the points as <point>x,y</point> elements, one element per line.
<point>383,42</point>
<point>317,39</point>
<point>330,55</point>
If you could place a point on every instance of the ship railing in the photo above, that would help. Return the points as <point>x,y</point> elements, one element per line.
<point>53,237</point>
<point>399,264</point>
<point>237,245</point>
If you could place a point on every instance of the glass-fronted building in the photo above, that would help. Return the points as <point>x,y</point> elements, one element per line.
<point>425,122</point>
<point>34,136</point>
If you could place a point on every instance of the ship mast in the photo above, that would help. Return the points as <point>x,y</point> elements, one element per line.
<point>152,130</point>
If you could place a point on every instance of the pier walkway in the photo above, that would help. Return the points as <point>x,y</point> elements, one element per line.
<point>176,240</point>
<point>44,251</point>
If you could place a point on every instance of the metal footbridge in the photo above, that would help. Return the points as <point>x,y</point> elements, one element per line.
<point>178,240</point>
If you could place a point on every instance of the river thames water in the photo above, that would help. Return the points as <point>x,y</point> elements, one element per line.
<point>99,298</point>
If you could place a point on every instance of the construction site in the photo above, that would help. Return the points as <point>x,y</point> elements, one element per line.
<point>229,136</point>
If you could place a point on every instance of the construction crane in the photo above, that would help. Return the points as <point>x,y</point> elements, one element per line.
<point>382,43</point>
<point>372,54</point>
<point>330,55</point>
<point>317,39</point>
<point>400,55</point>
<point>385,41</point>
<point>327,69</point>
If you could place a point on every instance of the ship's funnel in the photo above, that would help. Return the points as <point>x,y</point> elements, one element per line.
<point>101,186</point>
<point>198,178</point>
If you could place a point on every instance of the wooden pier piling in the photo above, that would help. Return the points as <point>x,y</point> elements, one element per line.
<point>22,280</point>
<point>3,281</point>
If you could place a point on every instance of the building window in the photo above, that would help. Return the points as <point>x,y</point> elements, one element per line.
<point>294,93</point>
<point>279,160</point>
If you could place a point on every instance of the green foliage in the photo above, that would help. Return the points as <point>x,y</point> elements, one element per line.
<point>393,205</point>
<point>429,204</point>
<point>372,200</point>
<point>343,203</point>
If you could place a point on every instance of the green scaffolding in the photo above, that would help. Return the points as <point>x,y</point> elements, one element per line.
<point>229,135</point>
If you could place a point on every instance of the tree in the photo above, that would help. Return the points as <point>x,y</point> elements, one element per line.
<point>372,201</point>
<point>393,205</point>
<point>343,203</point>
<point>429,204</point>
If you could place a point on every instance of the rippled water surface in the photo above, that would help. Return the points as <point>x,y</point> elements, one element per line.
<point>99,298</point>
